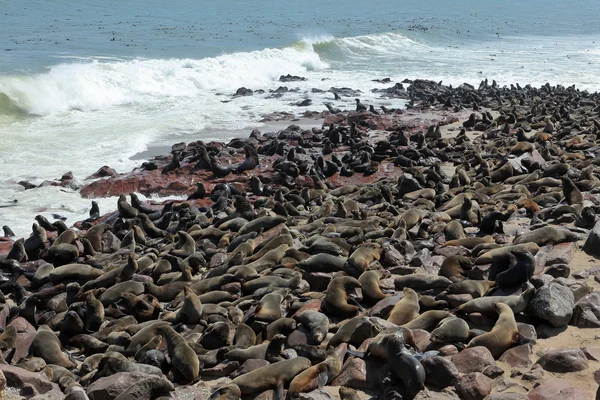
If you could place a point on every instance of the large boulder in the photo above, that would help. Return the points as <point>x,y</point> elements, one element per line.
<point>586,313</point>
<point>564,360</point>
<point>558,389</point>
<point>553,304</point>
<point>109,387</point>
<point>592,243</point>
<point>474,386</point>
<point>439,372</point>
<point>473,359</point>
<point>18,377</point>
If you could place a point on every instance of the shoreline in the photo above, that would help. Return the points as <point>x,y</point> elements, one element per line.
<point>295,219</point>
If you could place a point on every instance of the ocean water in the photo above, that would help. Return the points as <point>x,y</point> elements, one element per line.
<point>86,84</point>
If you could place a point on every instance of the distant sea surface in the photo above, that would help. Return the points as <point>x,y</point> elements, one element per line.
<point>85,84</point>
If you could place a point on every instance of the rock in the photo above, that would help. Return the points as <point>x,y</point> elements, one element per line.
<point>291,78</point>
<point>474,386</point>
<point>222,369</point>
<point>103,172</point>
<point>558,389</point>
<point>504,383</point>
<point>421,339</point>
<point>244,92</point>
<point>383,307</point>
<point>448,350</point>
<point>558,271</point>
<point>586,313</point>
<point>439,372</point>
<point>473,359</point>
<point>317,394</point>
<point>493,371</point>
<point>540,280</point>
<point>552,303</point>
<point>534,375</point>
<point>592,354</point>
<point>562,253</point>
<point>527,331</point>
<point>518,357</point>
<point>564,360</point>
<point>18,377</point>
<point>360,374</point>
<point>110,243</point>
<point>507,396</point>
<point>592,243</point>
<point>109,387</point>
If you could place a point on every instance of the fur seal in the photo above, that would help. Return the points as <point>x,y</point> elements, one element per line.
<point>46,345</point>
<point>273,376</point>
<point>503,335</point>
<point>405,367</point>
<point>428,320</point>
<point>450,330</point>
<point>406,309</point>
<point>184,361</point>
<point>454,267</point>
<point>360,259</point>
<point>520,270</point>
<point>370,285</point>
<point>501,254</point>
<point>316,322</point>
<point>421,281</point>
<point>548,234</point>
<point>485,305</point>
<point>318,375</point>
<point>474,288</point>
<point>338,292</point>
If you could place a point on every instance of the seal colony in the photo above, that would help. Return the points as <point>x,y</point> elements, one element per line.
<point>441,248</point>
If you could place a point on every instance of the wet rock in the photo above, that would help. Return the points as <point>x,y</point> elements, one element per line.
<point>244,92</point>
<point>564,360</point>
<point>558,389</point>
<point>518,357</point>
<point>439,372</point>
<point>474,386</point>
<point>103,172</point>
<point>586,313</point>
<point>473,359</point>
<point>291,78</point>
<point>552,303</point>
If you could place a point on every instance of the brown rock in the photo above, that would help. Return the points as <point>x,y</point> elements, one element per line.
<point>222,369</point>
<point>558,389</point>
<point>360,374</point>
<point>109,387</point>
<point>318,394</point>
<point>592,353</point>
<point>474,386</point>
<point>439,372</point>
<point>562,253</point>
<point>103,172</point>
<point>564,360</point>
<point>507,396</point>
<point>421,339</point>
<point>383,307</point>
<point>586,313</point>
<point>448,350</point>
<point>22,325</point>
<point>493,371</point>
<point>473,359</point>
<point>518,357</point>
<point>18,377</point>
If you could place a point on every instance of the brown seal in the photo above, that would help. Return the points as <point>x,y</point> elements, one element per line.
<point>370,285</point>
<point>338,292</point>
<point>46,345</point>
<point>485,305</point>
<point>318,375</point>
<point>406,309</point>
<point>184,361</point>
<point>502,336</point>
<point>428,320</point>
<point>474,288</point>
<point>450,330</point>
<point>454,267</point>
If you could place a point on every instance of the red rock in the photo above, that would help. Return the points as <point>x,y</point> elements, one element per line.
<point>439,372</point>
<point>562,253</point>
<point>22,325</point>
<point>103,172</point>
<point>421,339</point>
<point>558,389</point>
<point>473,359</point>
<point>474,386</point>
<point>359,374</point>
<point>310,305</point>
<point>564,360</point>
<point>18,377</point>
<point>518,357</point>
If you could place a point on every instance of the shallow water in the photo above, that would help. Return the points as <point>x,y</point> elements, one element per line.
<point>72,98</point>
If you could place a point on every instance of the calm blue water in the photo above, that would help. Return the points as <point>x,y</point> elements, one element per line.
<point>88,83</point>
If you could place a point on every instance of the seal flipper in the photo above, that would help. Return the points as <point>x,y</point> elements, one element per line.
<point>357,304</point>
<point>278,392</point>
<point>322,379</point>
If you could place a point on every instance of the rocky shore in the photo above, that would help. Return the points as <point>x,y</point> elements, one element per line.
<point>443,251</point>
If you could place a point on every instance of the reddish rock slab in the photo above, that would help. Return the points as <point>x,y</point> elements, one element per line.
<point>473,359</point>
<point>564,360</point>
<point>518,357</point>
<point>558,389</point>
<point>18,377</point>
<point>474,386</point>
<point>439,372</point>
<point>562,253</point>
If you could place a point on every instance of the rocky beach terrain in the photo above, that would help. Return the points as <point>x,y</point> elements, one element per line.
<point>446,250</point>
